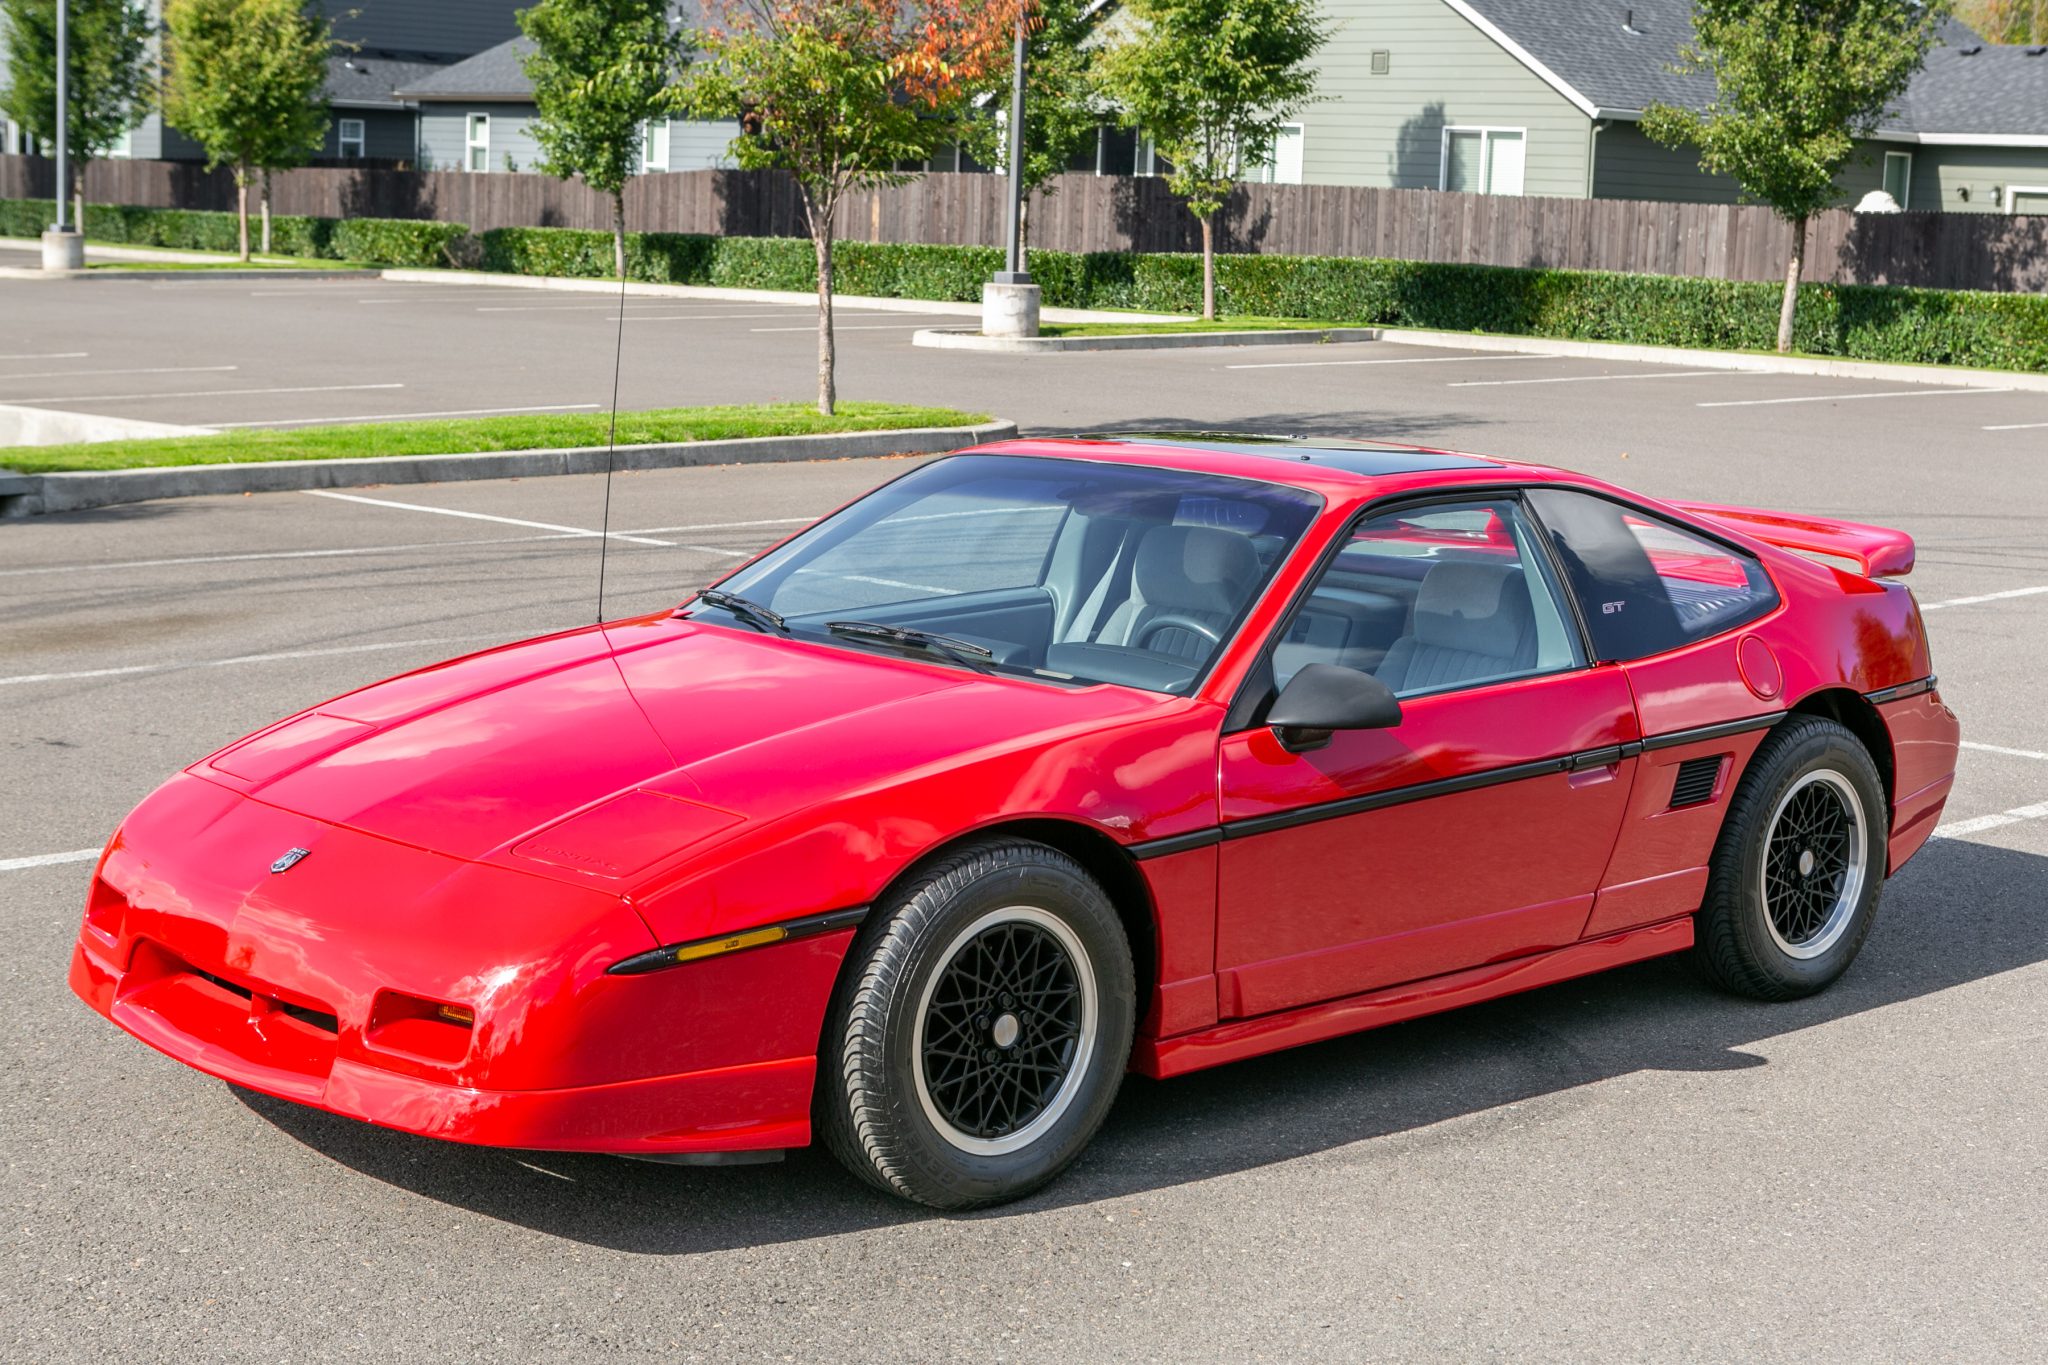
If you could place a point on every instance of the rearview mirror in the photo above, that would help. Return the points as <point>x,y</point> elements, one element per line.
<point>1322,698</point>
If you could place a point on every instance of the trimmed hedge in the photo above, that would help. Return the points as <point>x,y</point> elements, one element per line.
<point>1862,322</point>
<point>373,241</point>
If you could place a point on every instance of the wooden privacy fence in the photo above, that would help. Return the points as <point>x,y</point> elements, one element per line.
<point>1123,213</point>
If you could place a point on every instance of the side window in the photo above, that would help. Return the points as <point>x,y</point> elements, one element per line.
<point>1645,584</point>
<point>1435,597</point>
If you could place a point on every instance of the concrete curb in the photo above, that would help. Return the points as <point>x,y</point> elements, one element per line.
<point>722,294</point>
<point>1726,360</point>
<point>128,272</point>
<point>29,494</point>
<point>951,340</point>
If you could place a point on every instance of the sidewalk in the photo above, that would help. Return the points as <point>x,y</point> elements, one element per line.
<point>161,255</point>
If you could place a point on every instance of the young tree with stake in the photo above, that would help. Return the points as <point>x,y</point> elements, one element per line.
<point>244,82</point>
<point>108,90</point>
<point>840,93</point>
<point>601,70</point>
<point>1797,82</point>
<point>1211,82</point>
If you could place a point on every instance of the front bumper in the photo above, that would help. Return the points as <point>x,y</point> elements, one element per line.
<point>750,1107</point>
<point>450,999</point>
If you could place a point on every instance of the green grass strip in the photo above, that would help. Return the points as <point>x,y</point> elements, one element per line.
<point>545,431</point>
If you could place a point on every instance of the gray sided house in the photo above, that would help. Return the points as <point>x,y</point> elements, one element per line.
<point>478,115</point>
<point>1543,97</point>
<point>390,43</point>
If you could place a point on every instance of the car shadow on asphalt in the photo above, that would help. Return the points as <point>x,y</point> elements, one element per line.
<point>1961,912</point>
<point>1358,425</point>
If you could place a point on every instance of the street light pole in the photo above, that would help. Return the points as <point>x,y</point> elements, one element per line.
<point>63,114</point>
<point>63,244</point>
<point>1009,302</point>
<point>1014,271</point>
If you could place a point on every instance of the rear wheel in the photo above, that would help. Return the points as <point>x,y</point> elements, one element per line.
<point>981,1031</point>
<point>1799,866</point>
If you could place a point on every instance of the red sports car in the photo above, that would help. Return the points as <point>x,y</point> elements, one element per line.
<point>1043,761</point>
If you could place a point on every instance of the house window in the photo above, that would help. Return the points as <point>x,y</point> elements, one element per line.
<point>123,146</point>
<point>654,146</point>
<point>2026,199</point>
<point>1482,160</point>
<point>479,143</point>
<point>350,134</point>
<point>1898,176</point>
<point>1282,163</point>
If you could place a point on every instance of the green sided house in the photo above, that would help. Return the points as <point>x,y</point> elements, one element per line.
<point>1543,97</point>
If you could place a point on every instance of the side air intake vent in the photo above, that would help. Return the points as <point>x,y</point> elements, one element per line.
<point>1696,778</point>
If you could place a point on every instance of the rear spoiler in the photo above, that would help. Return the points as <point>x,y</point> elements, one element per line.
<point>1876,551</point>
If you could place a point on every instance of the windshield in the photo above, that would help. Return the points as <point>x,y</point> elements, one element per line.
<point>1063,570</point>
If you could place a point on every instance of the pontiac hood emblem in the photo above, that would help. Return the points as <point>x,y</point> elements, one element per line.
<point>290,859</point>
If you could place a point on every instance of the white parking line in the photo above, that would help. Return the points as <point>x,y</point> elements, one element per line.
<point>1589,378</point>
<point>485,516</point>
<point>865,327</point>
<point>47,355</point>
<point>128,565</point>
<point>1984,597</point>
<point>2018,426</point>
<point>1405,360</point>
<point>202,393</point>
<point>1844,397</point>
<point>155,369</point>
<point>2016,815</point>
<point>238,659</point>
<point>731,525</point>
<point>2000,749</point>
<point>78,855</point>
<point>408,416</point>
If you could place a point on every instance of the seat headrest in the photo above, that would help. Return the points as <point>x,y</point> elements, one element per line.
<point>1479,608</point>
<point>1195,568</point>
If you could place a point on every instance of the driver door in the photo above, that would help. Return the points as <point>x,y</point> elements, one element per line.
<point>1475,830</point>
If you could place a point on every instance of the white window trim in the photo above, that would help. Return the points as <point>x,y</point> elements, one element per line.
<point>1489,132</point>
<point>647,161</point>
<point>342,138</point>
<point>2013,192</point>
<point>1906,157</point>
<point>470,144</point>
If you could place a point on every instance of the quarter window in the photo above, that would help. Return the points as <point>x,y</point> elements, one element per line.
<point>1433,598</point>
<point>1645,584</point>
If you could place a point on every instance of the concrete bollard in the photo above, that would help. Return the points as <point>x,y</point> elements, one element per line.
<point>1009,310</point>
<point>63,250</point>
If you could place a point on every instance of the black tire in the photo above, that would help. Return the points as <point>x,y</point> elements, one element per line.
<point>1799,867</point>
<point>928,1123</point>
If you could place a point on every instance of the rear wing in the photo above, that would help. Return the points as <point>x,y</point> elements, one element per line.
<point>1876,551</point>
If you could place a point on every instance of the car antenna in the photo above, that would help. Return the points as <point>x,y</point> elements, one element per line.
<point>611,442</point>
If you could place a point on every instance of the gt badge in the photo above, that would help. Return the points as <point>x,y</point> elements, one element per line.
<point>290,859</point>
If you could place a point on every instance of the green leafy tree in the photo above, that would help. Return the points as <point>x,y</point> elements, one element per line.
<point>1211,81</point>
<point>244,80</point>
<point>1062,107</point>
<point>601,70</point>
<point>109,79</point>
<point>1797,82</point>
<point>843,94</point>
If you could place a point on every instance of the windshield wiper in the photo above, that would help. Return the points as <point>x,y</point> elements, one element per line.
<point>744,608</point>
<point>964,650</point>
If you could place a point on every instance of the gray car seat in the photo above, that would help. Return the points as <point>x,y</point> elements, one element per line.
<point>1472,621</point>
<point>1196,572</point>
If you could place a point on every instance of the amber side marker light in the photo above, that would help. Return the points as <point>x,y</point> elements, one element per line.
<point>457,1014</point>
<point>696,950</point>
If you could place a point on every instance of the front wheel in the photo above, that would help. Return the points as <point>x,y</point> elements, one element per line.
<point>1800,863</point>
<point>982,1029</point>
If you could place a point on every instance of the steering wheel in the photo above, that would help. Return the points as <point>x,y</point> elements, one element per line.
<point>1172,622</point>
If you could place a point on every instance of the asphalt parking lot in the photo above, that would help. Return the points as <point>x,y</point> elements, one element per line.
<point>1624,1167</point>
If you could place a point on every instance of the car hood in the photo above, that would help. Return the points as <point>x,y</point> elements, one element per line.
<point>584,752</point>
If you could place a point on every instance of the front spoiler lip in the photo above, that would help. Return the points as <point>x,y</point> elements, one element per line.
<point>627,1117</point>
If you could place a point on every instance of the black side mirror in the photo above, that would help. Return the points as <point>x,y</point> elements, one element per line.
<point>1322,698</point>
